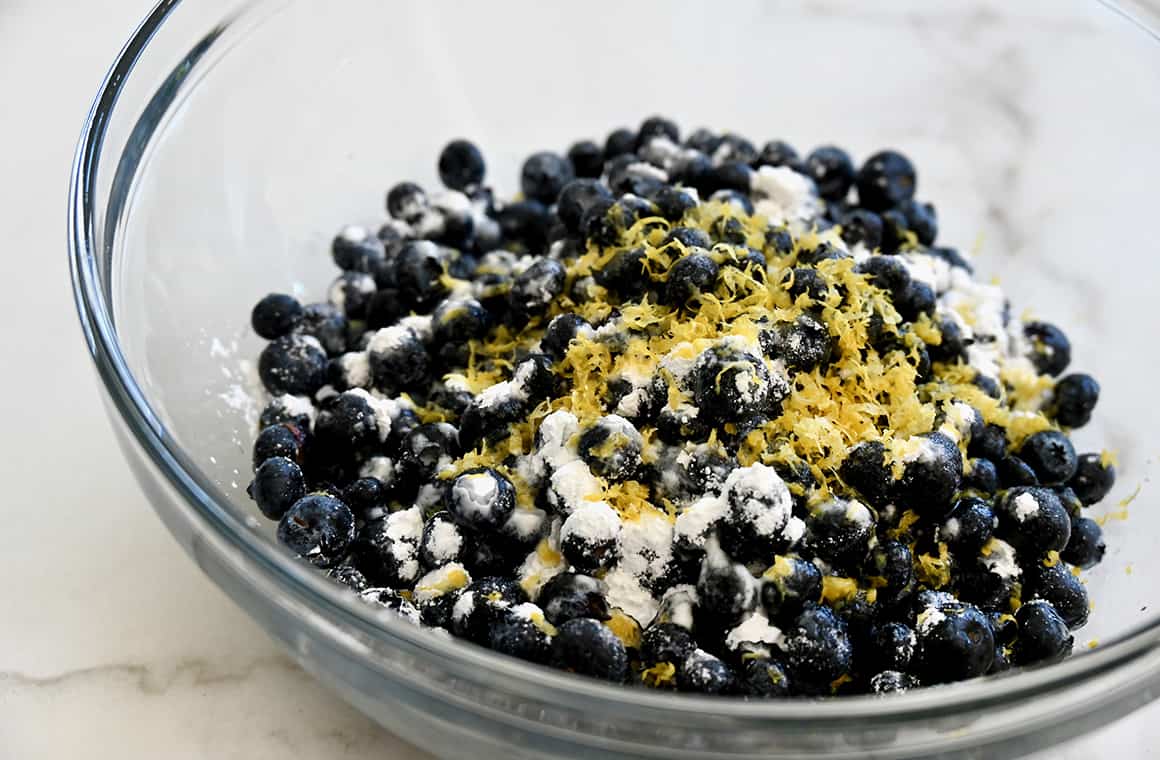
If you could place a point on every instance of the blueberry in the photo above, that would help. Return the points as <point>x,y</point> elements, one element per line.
<point>739,201</point>
<point>695,170</point>
<point>981,476</point>
<point>734,175</point>
<point>349,577</point>
<point>1032,520</point>
<point>366,496</point>
<point>922,220</point>
<point>689,277</point>
<point>702,673</point>
<point>389,599</point>
<point>725,589</point>
<point>481,603</point>
<point>952,257</point>
<point>891,646</point>
<point>293,364</point>
<point>406,201</point>
<point>1050,454</point>
<point>1074,399</point>
<point>839,531</point>
<point>1013,471</point>
<point>619,142</point>
<point>689,237</point>
<point>1086,547</point>
<point>278,483</point>
<point>789,585</point>
<point>481,498</point>
<point>969,526</point>
<point>1057,585</point>
<point>456,321</point>
<point>892,563</point>
<point>560,333</point>
<point>567,596</point>
<point>831,170</point>
<point>657,126</point>
<point>955,641</point>
<point>764,677</point>
<point>730,385</point>
<point>429,444</point>
<point>818,650</point>
<point>1050,348</point>
<point>590,537</point>
<point>886,273</point>
<point>806,281</point>
<point>929,481</point>
<point>885,180</point>
<point>666,642</point>
<point>861,226</point>
<point>488,419</point>
<point>517,634</point>
<point>1093,478</point>
<point>293,409</point>
<point>760,505</point>
<point>990,442</point>
<point>893,682</point>
<point>587,159</point>
<point>442,542</point>
<point>1043,634</point>
<point>987,385</point>
<point>348,427</point>
<point>351,292</point>
<point>386,549</point>
<point>777,153</point>
<point>398,359</point>
<point>894,231</point>
<point>915,300</point>
<point>587,647</point>
<point>461,165</point>
<point>525,222</point>
<point>603,222</point>
<point>317,528</point>
<point>355,249</point>
<point>420,272</point>
<point>953,346</point>
<point>673,202</point>
<point>281,440</point>
<point>576,198</point>
<point>276,315</point>
<point>544,175</point>
<point>1069,501</point>
<point>802,344</point>
<point>536,287</point>
<point>612,447</point>
<point>404,421</point>
<point>626,176</point>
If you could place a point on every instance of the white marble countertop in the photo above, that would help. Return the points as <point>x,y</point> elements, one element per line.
<point>99,659</point>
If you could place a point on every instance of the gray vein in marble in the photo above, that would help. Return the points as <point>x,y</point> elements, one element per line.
<point>151,679</point>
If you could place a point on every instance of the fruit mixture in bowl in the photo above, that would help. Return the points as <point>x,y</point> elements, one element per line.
<point>685,414</point>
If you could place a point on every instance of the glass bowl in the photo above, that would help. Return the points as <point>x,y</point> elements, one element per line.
<point>232,139</point>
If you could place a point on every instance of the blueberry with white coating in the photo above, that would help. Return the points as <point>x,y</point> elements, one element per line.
<point>803,344</point>
<point>348,427</point>
<point>831,170</point>
<point>587,647</point>
<point>355,249</point>
<point>893,682</point>
<point>1043,635</point>
<point>318,528</point>
<point>420,267</point>
<point>560,333</point>
<point>406,201</point>
<point>278,483</point>
<point>1056,583</point>
<point>442,542</point>
<point>891,646</point>
<point>931,478</point>
<point>1050,454</point>
<point>398,359</point>
<point>276,315</point>
<point>461,165</point>
<point>788,586</point>
<point>567,596</point>
<point>760,506</point>
<point>702,673</point>
<point>730,385</point>
<point>349,577</point>
<point>576,198</point>
<point>764,677</point>
<point>665,642</point>
<point>293,364</point>
<point>520,632</point>
<point>428,447</point>
<point>1093,479</point>
<point>1050,348</point>
<point>536,287</point>
<point>1074,398</point>
<point>885,180</point>
<point>480,498</point>
<point>590,537</point>
<point>544,175</point>
<point>296,410</point>
<point>612,447</point>
<point>839,531</point>
<point>969,526</point>
<point>725,589</point>
<point>689,277</point>
<point>955,641</point>
<point>281,440</point>
<point>818,650</point>
<point>1031,519</point>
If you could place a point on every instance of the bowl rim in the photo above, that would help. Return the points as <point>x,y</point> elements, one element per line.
<point>211,509</point>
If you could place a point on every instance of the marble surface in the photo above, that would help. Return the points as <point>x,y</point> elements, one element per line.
<point>100,659</point>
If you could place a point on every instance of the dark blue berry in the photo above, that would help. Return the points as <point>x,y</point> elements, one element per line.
<point>568,596</point>
<point>1050,348</point>
<point>892,682</point>
<point>734,175</point>
<point>981,476</point>
<point>1058,585</point>
<point>366,496</point>
<point>929,481</point>
<point>544,175</point>
<point>818,650</point>
<point>619,142</point>
<point>398,359</point>
<point>278,483</point>
<point>990,443</point>
<point>480,498</point>
<point>457,321</point>
<point>702,139</point>
<point>666,642</point>
<point>955,641</point>
<point>969,526</point>
<point>831,170</point>
<point>657,126</point>
<point>587,647</point>
<point>488,598</point>
<point>587,158</point>
<point>526,222</point>
<point>689,277</point>
<point>951,257</point>
<point>886,273</point>
<point>443,541</point>
<point>293,364</point>
<point>317,528</point>
<point>560,333</point>
<point>730,385</point>
<point>427,445</point>
<point>576,198</point>
<point>953,345</point>
<point>894,231</point>
<point>1050,454</point>
<point>987,385</point>
<point>839,531</point>
<point>915,300</point>
<point>612,447</point>
<point>419,271</point>
<point>764,677</point>
<point>348,427</point>
<point>1043,634</point>
<point>802,344</point>
<point>355,249</point>
<point>885,180</point>
<point>1069,501</point>
<point>461,165</point>
<point>892,562</point>
<point>536,287</point>
<point>922,220</point>
<point>861,226</point>
<point>1086,547</point>
<point>777,153</point>
<point>789,585</point>
<point>276,315</point>
<point>806,281</point>
<point>725,590</point>
<point>735,198</point>
<point>349,577</point>
<point>407,201</point>
<point>279,411</point>
<point>702,673</point>
<point>1033,521</point>
<point>1093,479</point>
<point>1013,471</point>
<point>328,325</point>
<point>352,292</point>
<point>516,635</point>
<point>673,202</point>
<point>1074,399</point>
<point>383,556</point>
<point>284,439</point>
<point>891,646</point>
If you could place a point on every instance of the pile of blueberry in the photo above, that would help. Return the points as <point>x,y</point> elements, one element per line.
<point>686,414</point>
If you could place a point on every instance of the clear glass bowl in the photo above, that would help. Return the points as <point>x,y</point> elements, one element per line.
<point>232,139</point>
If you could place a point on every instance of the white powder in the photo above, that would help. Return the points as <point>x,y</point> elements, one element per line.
<point>648,171</point>
<point>573,485</point>
<point>356,369</point>
<point>296,406</point>
<point>543,563</point>
<point>1001,559</point>
<point>420,324</point>
<point>429,495</point>
<point>354,233</point>
<point>474,495</point>
<point>442,580</point>
<point>783,195</point>
<point>456,383</point>
<point>754,630</point>
<point>931,270</point>
<point>858,514</point>
<point>692,525</point>
<point>463,606</point>
<point>646,545</point>
<point>593,523</point>
<point>452,201</point>
<point>680,360</point>
<point>627,594</point>
<point>1025,506</point>
<point>381,468</point>
<point>385,409</point>
<point>950,529</point>
<point>556,433</point>
<point>630,404</point>
<point>662,151</point>
<point>762,496</point>
<point>525,523</point>
<point>405,529</point>
<point>443,541</point>
<point>677,605</point>
<point>390,339</point>
<point>929,618</point>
